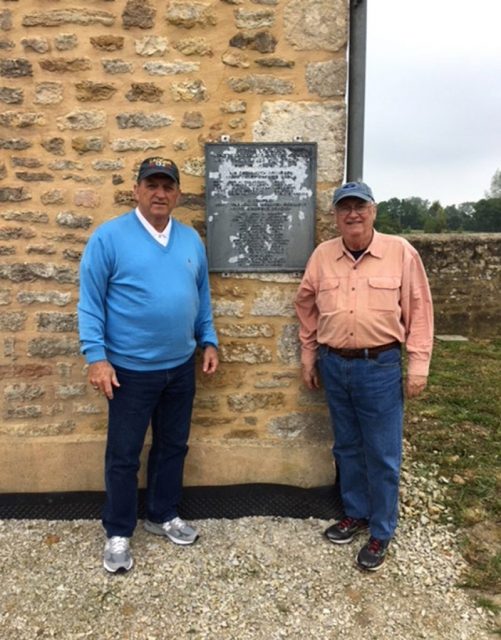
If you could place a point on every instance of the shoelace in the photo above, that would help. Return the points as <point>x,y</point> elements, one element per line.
<point>346,522</point>
<point>118,544</point>
<point>374,545</point>
<point>177,523</point>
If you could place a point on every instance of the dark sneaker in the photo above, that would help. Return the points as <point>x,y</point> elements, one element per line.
<point>177,530</point>
<point>117,556</point>
<point>344,531</point>
<point>372,555</point>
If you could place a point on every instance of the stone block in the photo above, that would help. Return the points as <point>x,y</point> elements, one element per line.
<point>140,120</point>
<point>250,402</point>
<point>151,46</point>
<point>249,353</point>
<point>53,347</point>
<point>57,322</point>
<point>66,41</point>
<point>14,194</point>
<point>64,65</point>
<point>135,144</point>
<point>138,13</point>
<point>175,68</point>
<point>58,298</point>
<point>38,45</point>
<point>189,91</point>
<point>16,68</point>
<point>327,79</point>
<point>88,91</point>
<point>144,92</point>
<point>323,123</point>
<point>263,84</point>
<point>316,24</point>
<point>59,17</point>
<point>194,47</point>
<point>107,42</point>
<point>86,120</point>
<point>313,427</point>
<point>22,392</point>
<point>54,145</point>
<point>69,219</point>
<point>245,19</point>
<point>263,41</point>
<point>190,14</point>
<point>10,95</point>
<point>12,321</point>
<point>117,66</point>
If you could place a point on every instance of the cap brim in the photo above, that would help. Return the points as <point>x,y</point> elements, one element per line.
<point>361,196</point>
<point>156,171</point>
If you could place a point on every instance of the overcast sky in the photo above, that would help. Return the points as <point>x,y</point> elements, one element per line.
<point>433,98</point>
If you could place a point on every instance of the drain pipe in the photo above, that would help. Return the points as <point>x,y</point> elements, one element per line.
<point>356,90</point>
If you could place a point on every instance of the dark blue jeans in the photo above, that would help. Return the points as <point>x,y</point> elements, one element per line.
<point>164,398</point>
<point>365,399</point>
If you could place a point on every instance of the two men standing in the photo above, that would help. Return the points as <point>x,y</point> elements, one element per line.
<point>145,307</point>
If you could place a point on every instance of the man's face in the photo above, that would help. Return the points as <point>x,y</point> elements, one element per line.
<point>156,197</point>
<point>355,220</point>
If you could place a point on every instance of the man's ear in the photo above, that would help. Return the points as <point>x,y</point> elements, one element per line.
<point>134,192</point>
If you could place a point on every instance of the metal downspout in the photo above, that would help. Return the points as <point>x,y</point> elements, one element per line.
<point>356,90</point>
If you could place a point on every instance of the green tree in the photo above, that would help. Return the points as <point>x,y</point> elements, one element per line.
<point>436,219</point>
<point>387,219</point>
<point>495,190</point>
<point>486,215</point>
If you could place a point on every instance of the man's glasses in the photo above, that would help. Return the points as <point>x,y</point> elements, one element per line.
<point>344,208</point>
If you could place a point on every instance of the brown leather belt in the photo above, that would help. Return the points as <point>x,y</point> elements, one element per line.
<point>371,352</point>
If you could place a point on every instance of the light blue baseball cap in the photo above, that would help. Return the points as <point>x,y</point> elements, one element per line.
<point>353,190</point>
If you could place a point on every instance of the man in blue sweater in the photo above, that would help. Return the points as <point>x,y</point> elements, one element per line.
<point>144,308</point>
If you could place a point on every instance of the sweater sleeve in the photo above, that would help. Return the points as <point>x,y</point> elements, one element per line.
<point>95,271</point>
<point>205,332</point>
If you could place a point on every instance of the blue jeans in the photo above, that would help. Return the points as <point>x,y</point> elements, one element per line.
<point>365,399</point>
<point>164,397</point>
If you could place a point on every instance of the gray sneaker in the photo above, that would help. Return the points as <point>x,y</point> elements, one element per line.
<point>177,530</point>
<point>117,556</point>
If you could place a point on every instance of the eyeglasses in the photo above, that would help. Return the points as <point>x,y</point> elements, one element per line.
<point>344,208</point>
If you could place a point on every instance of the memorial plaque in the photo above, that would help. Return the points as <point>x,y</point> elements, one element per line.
<point>260,205</point>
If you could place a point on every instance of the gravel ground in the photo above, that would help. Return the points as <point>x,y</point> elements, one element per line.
<point>252,578</point>
<point>257,578</point>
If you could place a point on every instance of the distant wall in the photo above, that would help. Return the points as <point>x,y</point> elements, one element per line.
<point>465,277</point>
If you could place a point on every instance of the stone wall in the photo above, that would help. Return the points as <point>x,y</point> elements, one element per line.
<point>89,89</point>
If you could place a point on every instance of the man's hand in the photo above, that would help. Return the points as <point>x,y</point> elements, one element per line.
<point>310,376</point>
<point>102,377</point>
<point>415,385</point>
<point>210,360</point>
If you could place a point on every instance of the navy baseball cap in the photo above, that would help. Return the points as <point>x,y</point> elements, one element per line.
<point>153,166</point>
<point>353,190</point>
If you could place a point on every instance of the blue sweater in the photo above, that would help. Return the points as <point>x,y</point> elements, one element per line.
<point>143,306</point>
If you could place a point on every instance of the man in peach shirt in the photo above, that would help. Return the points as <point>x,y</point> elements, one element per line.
<point>362,296</point>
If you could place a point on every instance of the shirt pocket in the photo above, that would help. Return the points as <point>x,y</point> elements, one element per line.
<point>384,293</point>
<point>327,296</point>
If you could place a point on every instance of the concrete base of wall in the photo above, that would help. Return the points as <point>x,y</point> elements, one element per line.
<point>46,465</point>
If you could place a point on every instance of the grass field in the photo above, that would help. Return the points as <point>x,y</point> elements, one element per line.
<point>455,424</point>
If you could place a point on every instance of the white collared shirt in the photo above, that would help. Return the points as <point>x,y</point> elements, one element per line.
<point>160,236</point>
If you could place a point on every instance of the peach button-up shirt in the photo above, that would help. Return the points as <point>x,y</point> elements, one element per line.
<point>381,297</point>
